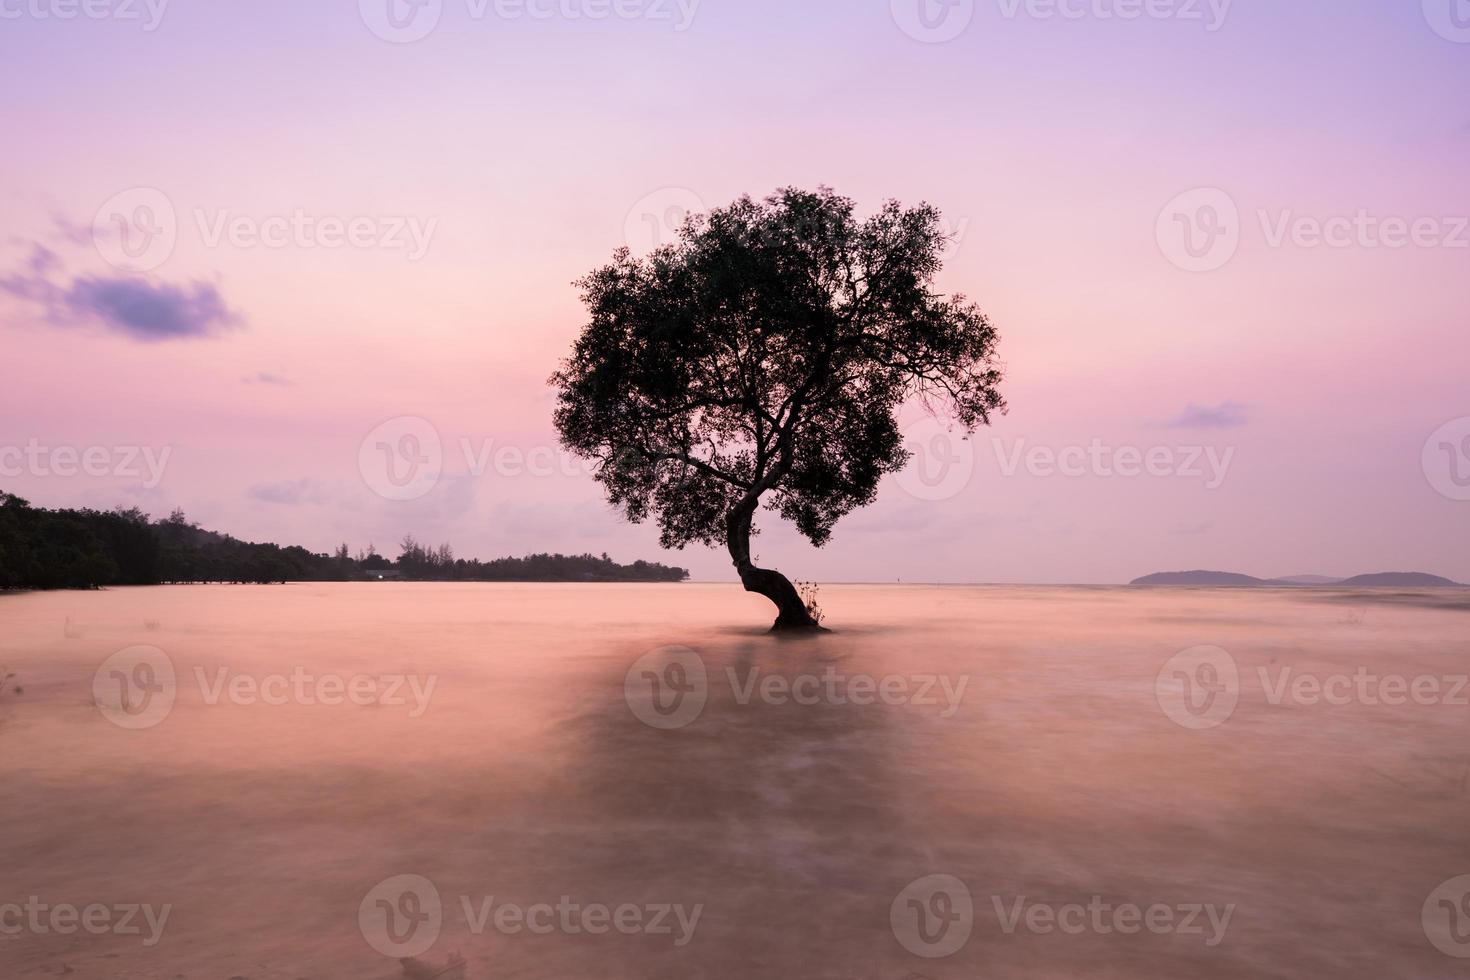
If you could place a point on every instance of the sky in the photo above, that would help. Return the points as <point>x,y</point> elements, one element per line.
<point>303,269</point>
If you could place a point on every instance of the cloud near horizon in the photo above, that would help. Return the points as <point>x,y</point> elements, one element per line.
<point>305,491</point>
<point>1226,415</point>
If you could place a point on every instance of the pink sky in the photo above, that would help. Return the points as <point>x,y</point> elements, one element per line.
<point>523,150</point>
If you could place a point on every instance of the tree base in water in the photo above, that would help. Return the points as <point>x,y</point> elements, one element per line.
<point>790,628</point>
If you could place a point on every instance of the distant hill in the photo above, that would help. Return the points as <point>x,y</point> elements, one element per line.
<point>1379,579</point>
<point>79,549</point>
<point>1399,579</point>
<point>1197,578</point>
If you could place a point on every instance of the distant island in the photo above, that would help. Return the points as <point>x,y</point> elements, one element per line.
<point>1235,579</point>
<point>85,549</point>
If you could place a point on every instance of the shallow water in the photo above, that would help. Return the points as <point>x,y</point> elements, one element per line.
<point>536,754</point>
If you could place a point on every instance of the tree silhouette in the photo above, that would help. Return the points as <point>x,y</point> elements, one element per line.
<point>765,355</point>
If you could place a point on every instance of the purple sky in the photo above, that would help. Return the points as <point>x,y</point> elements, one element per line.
<point>1226,245</point>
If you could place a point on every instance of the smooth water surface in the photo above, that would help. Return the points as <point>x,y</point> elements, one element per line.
<point>537,749</point>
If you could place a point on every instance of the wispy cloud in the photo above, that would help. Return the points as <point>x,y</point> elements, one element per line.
<point>147,310</point>
<point>308,492</point>
<point>74,232</point>
<point>1227,415</point>
<point>135,306</point>
<point>268,378</point>
<point>292,492</point>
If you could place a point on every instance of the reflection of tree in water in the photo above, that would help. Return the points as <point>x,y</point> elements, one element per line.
<point>783,819</point>
<point>10,689</point>
<point>424,969</point>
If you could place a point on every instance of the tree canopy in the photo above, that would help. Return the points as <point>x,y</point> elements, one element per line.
<point>764,356</point>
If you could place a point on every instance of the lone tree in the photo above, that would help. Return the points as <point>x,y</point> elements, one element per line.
<point>765,354</point>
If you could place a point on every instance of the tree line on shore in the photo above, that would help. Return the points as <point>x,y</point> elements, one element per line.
<point>80,549</point>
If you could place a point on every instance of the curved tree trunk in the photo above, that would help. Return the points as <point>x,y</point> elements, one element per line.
<point>791,611</point>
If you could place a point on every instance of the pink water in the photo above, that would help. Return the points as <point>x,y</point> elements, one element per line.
<point>526,776</point>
